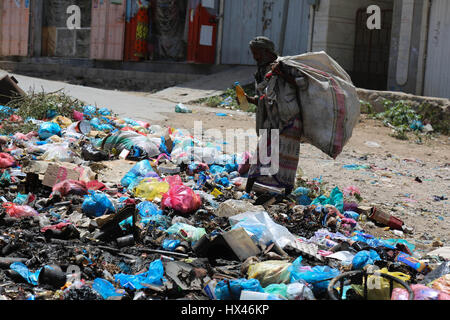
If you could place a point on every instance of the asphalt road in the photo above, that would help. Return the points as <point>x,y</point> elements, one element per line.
<point>125,104</point>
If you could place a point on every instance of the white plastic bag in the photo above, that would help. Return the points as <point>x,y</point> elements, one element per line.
<point>260,226</point>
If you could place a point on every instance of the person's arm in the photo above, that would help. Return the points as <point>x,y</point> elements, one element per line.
<point>252,100</point>
<point>278,69</point>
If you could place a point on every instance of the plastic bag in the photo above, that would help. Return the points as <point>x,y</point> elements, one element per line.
<point>336,199</point>
<point>277,289</point>
<point>170,245</point>
<point>30,277</point>
<point>299,291</point>
<point>6,161</point>
<point>21,199</point>
<point>150,189</point>
<point>105,288</point>
<point>315,276</point>
<point>259,225</point>
<point>140,169</point>
<point>187,232</point>
<point>421,292</point>
<point>63,122</point>
<point>148,209</point>
<point>70,187</point>
<point>48,129</point>
<point>231,290</point>
<point>17,211</point>
<point>379,287</point>
<point>96,204</point>
<point>182,199</point>
<point>363,258</point>
<point>143,147</point>
<point>442,284</point>
<point>270,272</point>
<point>154,276</point>
<point>58,153</point>
<point>438,272</point>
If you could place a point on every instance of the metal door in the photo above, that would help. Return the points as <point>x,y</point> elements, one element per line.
<point>285,22</point>
<point>108,29</point>
<point>437,75</point>
<point>14,24</point>
<point>371,54</point>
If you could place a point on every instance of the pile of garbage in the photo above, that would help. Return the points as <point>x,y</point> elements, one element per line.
<point>179,225</point>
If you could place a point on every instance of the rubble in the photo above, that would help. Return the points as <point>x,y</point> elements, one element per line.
<point>165,229</point>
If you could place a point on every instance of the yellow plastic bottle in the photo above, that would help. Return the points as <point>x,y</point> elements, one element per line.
<point>240,93</point>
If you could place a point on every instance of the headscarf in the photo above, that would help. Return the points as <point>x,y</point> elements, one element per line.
<point>263,43</point>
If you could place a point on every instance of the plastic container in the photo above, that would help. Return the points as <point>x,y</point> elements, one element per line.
<point>385,219</point>
<point>53,276</point>
<point>240,94</point>
<point>125,241</point>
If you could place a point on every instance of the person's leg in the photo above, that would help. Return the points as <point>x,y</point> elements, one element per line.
<point>250,184</point>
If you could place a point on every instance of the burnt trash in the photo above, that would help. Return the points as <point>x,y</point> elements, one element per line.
<point>52,276</point>
<point>90,153</point>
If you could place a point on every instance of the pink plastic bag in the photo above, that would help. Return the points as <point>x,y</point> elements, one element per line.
<point>20,136</point>
<point>58,226</point>
<point>95,185</point>
<point>67,187</point>
<point>174,180</point>
<point>400,294</point>
<point>16,211</point>
<point>77,116</point>
<point>421,292</point>
<point>6,161</point>
<point>182,199</point>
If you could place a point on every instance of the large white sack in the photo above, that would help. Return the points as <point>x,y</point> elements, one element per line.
<point>330,106</point>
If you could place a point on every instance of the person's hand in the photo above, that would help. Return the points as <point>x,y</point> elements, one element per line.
<point>276,67</point>
<point>252,100</point>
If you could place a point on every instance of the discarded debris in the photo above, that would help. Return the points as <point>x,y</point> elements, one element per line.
<point>168,229</point>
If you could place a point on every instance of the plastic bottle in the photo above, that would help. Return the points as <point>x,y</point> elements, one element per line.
<point>240,94</point>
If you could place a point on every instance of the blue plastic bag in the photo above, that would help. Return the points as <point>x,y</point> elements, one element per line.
<point>104,112</point>
<point>223,292</point>
<point>96,204</point>
<point>315,276</point>
<point>170,245</point>
<point>5,112</point>
<point>215,169</point>
<point>20,268</point>
<point>304,200</point>
<point>336,199</point>
<point>148,209</point>
<point>364,258</point>
<point>89,110</point>
<point>352,215</point>
<point>301,192</point>
<point>140,169</point>
<point>153,276</point>
<point>257,231</point>
<point>105,288</point>
<point>21,199</point>
<point>49,129</point>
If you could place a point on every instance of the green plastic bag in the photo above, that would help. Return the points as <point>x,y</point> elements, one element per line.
<point>336,199</point>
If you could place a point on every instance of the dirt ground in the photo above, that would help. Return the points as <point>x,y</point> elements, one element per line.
<point>390,184</point>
